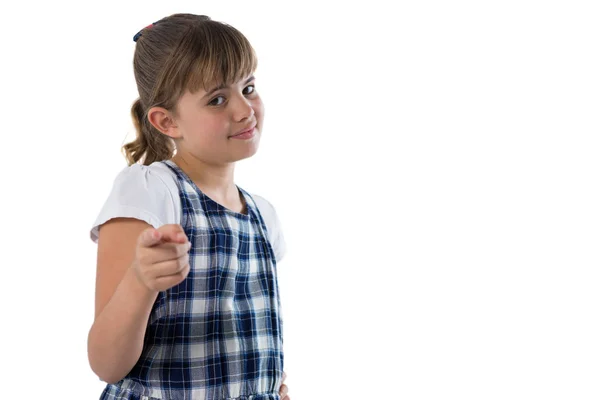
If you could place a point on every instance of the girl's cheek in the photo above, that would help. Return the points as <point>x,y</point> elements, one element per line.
<point>258,106</point>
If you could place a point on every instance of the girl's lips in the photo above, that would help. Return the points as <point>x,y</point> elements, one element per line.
<point>245,134</point>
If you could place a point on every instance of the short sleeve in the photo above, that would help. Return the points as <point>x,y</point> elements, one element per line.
<point>274,227</point>
<point>138,192</point>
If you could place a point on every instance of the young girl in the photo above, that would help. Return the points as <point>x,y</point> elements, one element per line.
<point>187,301</point>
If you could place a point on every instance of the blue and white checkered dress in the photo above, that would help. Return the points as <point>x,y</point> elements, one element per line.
<point>218,334</point>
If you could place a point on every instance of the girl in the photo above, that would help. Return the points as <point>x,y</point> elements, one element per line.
<point>187,301</point>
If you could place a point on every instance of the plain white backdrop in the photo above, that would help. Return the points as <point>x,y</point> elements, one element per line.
<point>435,166</point>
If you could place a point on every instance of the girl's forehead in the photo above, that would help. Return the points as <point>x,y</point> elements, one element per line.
<point>206,73</point>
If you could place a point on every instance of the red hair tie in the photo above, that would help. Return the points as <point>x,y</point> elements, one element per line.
<point>137,35</point>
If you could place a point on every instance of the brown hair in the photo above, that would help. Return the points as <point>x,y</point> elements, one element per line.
<point>178,53</point>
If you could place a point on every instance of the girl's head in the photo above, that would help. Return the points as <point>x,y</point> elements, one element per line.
<point>195,81</point>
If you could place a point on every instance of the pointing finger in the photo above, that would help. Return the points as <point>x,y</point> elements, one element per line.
<point>150,237</point>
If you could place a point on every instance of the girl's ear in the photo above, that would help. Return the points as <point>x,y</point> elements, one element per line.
<point>163,120</point>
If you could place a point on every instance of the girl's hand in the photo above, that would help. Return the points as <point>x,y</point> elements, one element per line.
<point>161,257</point>
<point>283,390</point>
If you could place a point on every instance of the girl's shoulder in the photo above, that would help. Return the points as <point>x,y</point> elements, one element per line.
<point>264,206</point>
<point>145,192</point>
<point>274,229</point>
<point>153,186</point>
<point>156,176</point>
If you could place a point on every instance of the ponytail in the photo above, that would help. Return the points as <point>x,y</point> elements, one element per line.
<point>149,144</point>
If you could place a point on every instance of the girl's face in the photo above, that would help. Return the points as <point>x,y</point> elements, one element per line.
<point>210,121</point>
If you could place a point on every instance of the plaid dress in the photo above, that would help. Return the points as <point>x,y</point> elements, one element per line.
<point>218,334</point>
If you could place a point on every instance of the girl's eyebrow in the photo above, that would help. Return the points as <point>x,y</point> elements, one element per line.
<point>222,86</point>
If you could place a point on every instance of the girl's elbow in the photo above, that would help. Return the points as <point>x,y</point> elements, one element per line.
<point>111,381</point>
<point>105,373</point>
<point>99,365</point>
<point>102,372</point>
<point>106,377</point>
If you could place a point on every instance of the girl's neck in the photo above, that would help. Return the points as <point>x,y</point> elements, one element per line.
<point>216,181</point>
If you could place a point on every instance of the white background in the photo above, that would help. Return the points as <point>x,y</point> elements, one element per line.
<point>435,166</point>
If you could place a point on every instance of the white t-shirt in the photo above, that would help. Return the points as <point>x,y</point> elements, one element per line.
<point>150,193</point>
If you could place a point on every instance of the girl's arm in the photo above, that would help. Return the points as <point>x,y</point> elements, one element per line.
<point>123,302</point>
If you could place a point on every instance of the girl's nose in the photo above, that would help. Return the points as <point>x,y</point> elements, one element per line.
<point>243,109</point>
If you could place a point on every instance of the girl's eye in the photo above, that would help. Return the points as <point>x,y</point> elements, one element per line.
<point>215,102</point>
<point>247,90</point>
